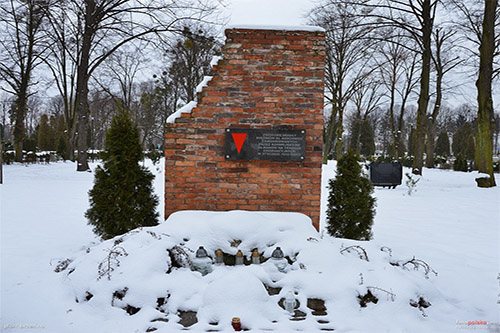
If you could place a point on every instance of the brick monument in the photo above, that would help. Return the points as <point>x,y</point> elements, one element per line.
<point>253,140</point>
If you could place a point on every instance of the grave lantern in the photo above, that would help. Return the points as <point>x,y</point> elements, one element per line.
<point>202,262</point>
<point>290,302</point>
<point>278,259</point>
<point>239,258</point>
<point>236,323</point>
<point>255,257</point>
<point>219,257</point>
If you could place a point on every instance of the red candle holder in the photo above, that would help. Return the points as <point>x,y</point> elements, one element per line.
<point>236,323</point>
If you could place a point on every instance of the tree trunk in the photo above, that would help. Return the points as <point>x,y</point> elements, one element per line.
<point>329,135</point>
<point>485,116</point>
<point>431,122</point>
<point>395,140</point>
<point>400,139</point>
<point>1,160</point>
<point>82,90</point>
<point>71,142</point>
<point>21,111</point>
<point>430,143</point>
<point>339,145</point>
<point>19,128</point>
<point>423,98</point>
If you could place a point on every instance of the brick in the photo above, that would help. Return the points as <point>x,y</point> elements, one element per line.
<point>249,207</point>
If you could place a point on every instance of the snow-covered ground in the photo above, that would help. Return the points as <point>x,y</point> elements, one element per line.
<point>448,223</point>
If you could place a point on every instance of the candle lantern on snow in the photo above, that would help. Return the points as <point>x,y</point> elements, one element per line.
<point>290,302</point>
<point>239,258</point>
<point>278,259</point>
<point>219,257</point>
<point>255,257</point>
<point>236,323</point>
<point>202,263</point>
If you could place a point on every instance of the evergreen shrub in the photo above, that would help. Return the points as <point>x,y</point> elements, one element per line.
<point>460,163</point>
<point>351,207</point>
<point>122,198</point>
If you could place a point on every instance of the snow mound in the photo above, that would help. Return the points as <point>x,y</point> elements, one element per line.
<point>250,230</point>
<point>331,279</point>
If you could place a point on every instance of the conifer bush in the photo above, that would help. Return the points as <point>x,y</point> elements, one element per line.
<point>460,163</point>
<point>351,207</point>
<point>443,145</point>
<point>122,198</point>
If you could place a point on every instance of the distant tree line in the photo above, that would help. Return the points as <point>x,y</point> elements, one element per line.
<point>94,54</point>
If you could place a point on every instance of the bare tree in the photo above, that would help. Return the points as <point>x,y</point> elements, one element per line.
<point>347,51</point>
<point>20,54</point>
<point>367,97</point>
<point>445,59</point>
<point>413,19</point>
<point>118,74</point>
<point>150,113</point>
<point>35,110</point>
<point>162,95</point>
<point>100,28</point>
<point>470,24</point>
<point>397,66</point>
<point>63,38</point>
<point>116,78</point>
<point>365,100</point>
<point>189,58</point>
<point>102,108</point>
<point>55,106</point>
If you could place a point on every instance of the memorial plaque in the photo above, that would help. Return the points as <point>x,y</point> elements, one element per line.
<point>386,174</point>
<point>265,144</point>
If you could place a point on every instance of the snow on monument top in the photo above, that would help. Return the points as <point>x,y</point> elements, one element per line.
<point>311,28</point>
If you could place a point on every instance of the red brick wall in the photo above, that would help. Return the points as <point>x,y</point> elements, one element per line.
<point>266,79</point>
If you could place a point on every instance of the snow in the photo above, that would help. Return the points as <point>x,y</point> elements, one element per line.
<point>448,223</point>
<point>191,105</point>
<point>276,27</point>
<point>185,109</point>
<point>203,82</point>
<point>215,61</point>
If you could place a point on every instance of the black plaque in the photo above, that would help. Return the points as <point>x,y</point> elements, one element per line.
<point>386,174</point>
<point>265,144</point>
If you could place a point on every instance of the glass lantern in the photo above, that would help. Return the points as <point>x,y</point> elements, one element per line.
<point>255,257</point>
<point>290,302</point>
<point>219,257</point>
<point>202,262</point>
<point>239,258</point>
<point>278,259</point>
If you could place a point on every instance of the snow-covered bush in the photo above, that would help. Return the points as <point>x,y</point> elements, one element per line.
<point>351,206</point>
<point>122,198</point>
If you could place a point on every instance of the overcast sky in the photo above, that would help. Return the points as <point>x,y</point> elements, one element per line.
<point>269,12</point>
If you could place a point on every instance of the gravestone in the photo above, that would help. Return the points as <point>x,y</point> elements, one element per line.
<point>253,139</point>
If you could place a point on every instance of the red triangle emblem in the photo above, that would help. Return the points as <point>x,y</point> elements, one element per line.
<point>239,140</point>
